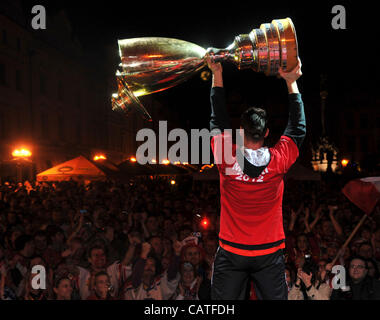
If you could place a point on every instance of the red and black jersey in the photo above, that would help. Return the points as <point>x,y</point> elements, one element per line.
<point>251,222</point>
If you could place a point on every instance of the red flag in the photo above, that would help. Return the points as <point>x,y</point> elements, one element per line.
<point>364,193</point>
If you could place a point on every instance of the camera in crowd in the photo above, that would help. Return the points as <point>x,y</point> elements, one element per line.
<point>309,266</point>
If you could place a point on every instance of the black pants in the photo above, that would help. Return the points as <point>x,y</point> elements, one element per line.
<point>231,273</point>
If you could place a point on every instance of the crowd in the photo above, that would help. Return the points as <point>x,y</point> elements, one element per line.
<point>149,239</point>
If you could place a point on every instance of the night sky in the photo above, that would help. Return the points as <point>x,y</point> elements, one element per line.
<point>346,56</point>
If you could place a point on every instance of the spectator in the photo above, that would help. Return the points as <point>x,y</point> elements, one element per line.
<point>194,254</point>
<point>189,283</point>
<point>40,242</point>
<point>152,226</point>
<point>63,289</point>
<point>118,271</point>
<point>210,245</point>
<point>102,287</point>
<point>359,285</point>
<point>307,285</point>
<point>32,293</point>
<point>157,246</point>
<point>373,270</point>
<point>147,280</point>
<point>365,250</point>
<point>289,276</point>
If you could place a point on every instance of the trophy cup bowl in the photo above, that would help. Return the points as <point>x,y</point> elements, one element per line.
<point>153,64</point>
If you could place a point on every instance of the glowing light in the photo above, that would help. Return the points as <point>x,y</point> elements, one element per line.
<point>100,157</point>
<point>21,153</point>
<point>204,222</point>
<point>154,161</point>
<point>152,56</point>
<point>141,92</point>
<point>165,161</point>
<point>177,162</point>
<point>132,159</point>
<point>172,182</point>
<point>205,75</point>
<point>344,162</point>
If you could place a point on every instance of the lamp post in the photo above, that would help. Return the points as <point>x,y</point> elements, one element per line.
<point>325,154</point>
<point>20,156</point>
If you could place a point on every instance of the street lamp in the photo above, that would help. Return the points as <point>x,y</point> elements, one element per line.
<point>21,153</point>
<point>344,162</point>
<point>100,157</point>
<point>20,156</point>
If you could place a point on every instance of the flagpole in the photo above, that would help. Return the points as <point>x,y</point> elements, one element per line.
<point>340,252</point>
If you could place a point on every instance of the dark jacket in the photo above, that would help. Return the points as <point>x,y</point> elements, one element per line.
<point>367,289</point>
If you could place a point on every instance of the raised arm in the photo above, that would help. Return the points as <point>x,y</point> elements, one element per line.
<point>335,223</point>
<point>296,127</point>
<point>219,116</point>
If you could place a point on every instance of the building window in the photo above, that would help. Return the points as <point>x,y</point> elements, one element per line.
<point>18,80</point>
<point>3,80</point>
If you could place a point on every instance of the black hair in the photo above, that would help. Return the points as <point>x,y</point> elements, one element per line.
<point>357,257</point>
<point>95,246</point>
<point>254,123</point>
<point>154,236</point>
<point>158,264</point>
<point>21,241</point>
<point>101,273</point>
<point>58,280</point>
<point>303,235</point>
<point>377,272</point>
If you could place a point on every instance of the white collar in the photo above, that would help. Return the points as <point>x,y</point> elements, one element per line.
<point>259,157</point>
